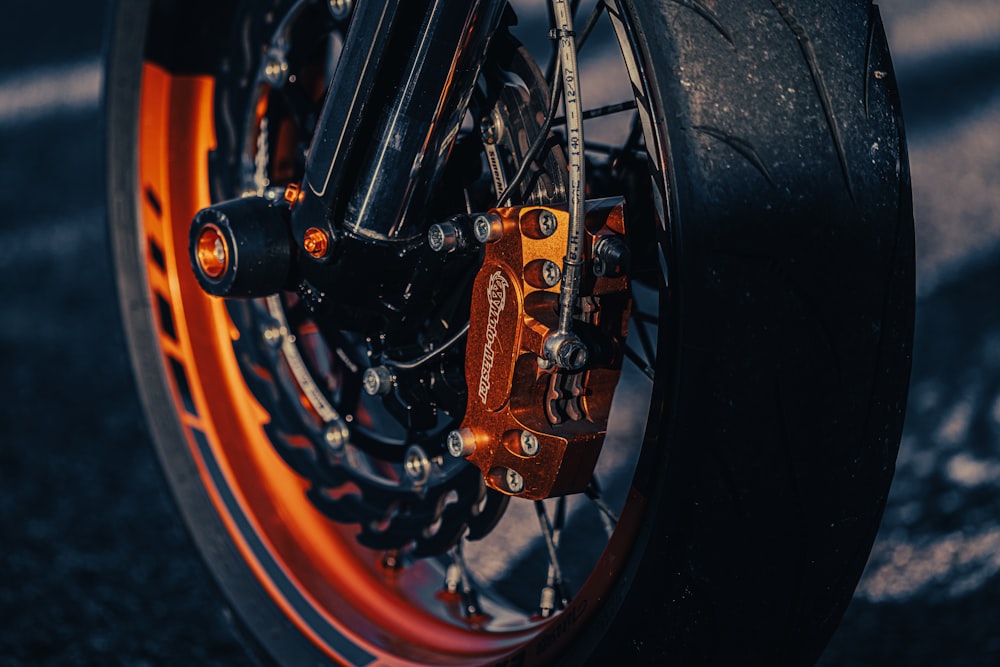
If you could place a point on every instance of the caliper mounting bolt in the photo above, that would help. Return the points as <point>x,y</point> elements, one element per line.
<point>461,443</point>
<point>377,381</point>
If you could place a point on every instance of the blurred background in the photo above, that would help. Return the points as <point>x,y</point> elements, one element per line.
<point>95,567</point>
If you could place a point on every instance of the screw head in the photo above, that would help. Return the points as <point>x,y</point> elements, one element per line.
<point>529,443</point>
<point>445,237</point>
<point>377,381</point>
<point>547,223</point>
<point>417,465</point>
<point>272,335</point>
<point>551,273</point>
<point>487,228</point>
<point>461,443</point>
<point>515,483</point>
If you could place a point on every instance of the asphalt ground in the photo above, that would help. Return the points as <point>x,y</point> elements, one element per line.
<point>95,566</point>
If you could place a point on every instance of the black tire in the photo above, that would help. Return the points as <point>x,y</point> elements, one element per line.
<point>787,245</point>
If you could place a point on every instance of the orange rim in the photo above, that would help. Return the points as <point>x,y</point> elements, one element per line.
<point>335,592</point>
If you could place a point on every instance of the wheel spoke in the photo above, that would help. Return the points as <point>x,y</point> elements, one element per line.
<point>608,516</point>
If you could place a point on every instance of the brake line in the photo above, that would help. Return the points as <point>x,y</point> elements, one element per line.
<point>563,347</point>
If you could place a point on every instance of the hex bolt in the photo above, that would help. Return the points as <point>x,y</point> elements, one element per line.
<point>316,242</point>
<point>487,227</point>
<point>340,9</point>
<point>461,443</point>
<point>611,256</point>
<point>515,483</point>
<point>547,223</point>
<point>529,443</point>
<point>377,381</point>
<point>417,465</point>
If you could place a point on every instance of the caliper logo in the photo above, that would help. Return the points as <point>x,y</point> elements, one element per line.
<point>496,294</point>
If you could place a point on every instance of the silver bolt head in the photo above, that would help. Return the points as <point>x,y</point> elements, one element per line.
<point>487,228</point>
<point>275,68</point>
<point>515,483</point>
<point>272,335</point>
<point>461,443</point>
<point>529,443</point>
<point>547,223</point>
<point>444,237</point>
<point>417,465</point>
<point>377,381</point>
<point>551,273</point>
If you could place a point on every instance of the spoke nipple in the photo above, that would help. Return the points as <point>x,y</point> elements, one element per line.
<point>461,443</point>
<point>377,381</point>
<point>529,443</point>
<point>417,465</point>
<point>547,604</point>
<point>316,242</point>
<point>453,578</point>
<point>487,227</point>
<point>515,483</point>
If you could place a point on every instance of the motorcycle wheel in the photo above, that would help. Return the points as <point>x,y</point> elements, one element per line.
<point>779,225</point>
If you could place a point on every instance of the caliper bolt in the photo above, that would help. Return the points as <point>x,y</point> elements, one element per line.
<point>340,9</point>
<point>547,223</point>
<point>515,483</point>
<point>551,273</point>
<point>611,256</point>
<point>445,237</point>
<point>487,227</point>
<point>417,465</point>
<point>377,381</point>
<point>461,443</point>
<point>529,443</point>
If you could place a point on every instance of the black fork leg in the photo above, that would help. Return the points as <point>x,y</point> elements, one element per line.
<point>376,190</point>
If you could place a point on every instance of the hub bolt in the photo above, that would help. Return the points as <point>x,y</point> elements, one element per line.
<point>377,381</point>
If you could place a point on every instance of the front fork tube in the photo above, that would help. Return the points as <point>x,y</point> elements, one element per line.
<point>378,190</point>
